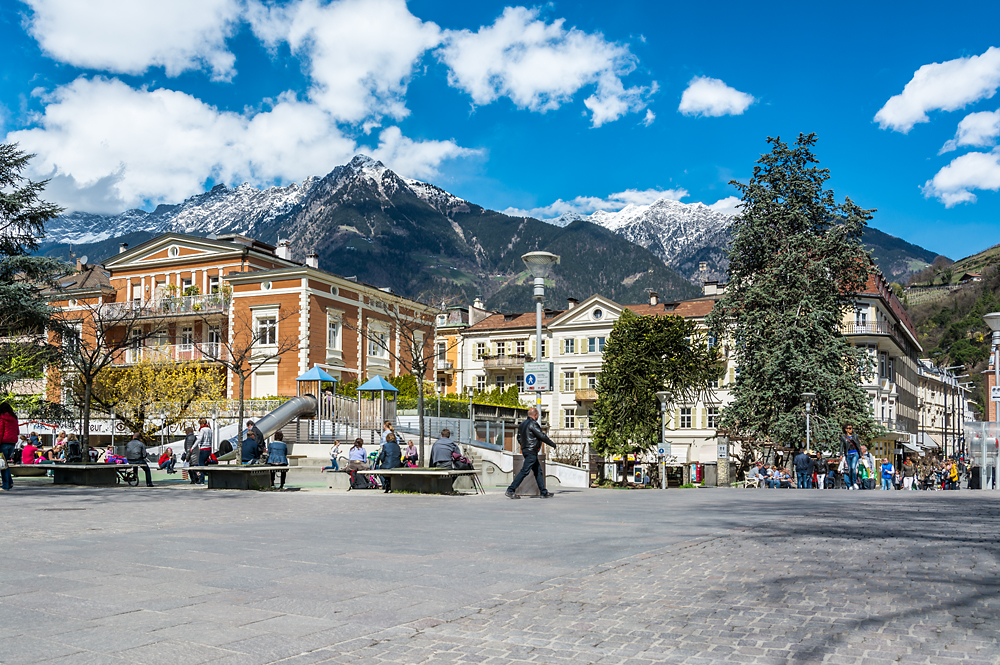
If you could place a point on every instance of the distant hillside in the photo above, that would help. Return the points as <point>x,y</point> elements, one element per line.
<point>896,258</point>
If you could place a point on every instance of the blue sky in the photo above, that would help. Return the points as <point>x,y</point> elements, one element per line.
<point>561,107</point>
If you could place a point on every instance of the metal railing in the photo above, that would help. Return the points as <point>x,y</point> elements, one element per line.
<point>175,353</point>
<point>586,394</point>
<point>211,303</point>
<point>505,362</point>
<point>445,365</point>
<point>872,328</point>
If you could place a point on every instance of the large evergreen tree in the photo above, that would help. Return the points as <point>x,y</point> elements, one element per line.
<point>795,261</point>
<point>644,355</point>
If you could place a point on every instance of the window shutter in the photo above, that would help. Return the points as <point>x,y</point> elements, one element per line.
<point>581,345</point>
<point>732,375</point>
<point>562,379</point>
<point>704,418</point>
<point>677,419</point>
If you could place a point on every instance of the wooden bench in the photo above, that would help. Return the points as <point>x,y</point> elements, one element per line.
<point>79,474</point>
<point>232,477</point>
<point>421,480</point>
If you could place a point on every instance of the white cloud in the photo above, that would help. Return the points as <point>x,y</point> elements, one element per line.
<point>108,146</point>
<point>710,97</point>
<point>975,129</point>
<point>360,53</point>
<point>955,183</point>
<point>728,206</point>
<point>946,86</point>
<point>650,117</point>
<point>540,66</point>
<point>584,205</point>
<point>130,36</point>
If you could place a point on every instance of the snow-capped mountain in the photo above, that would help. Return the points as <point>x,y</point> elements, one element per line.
<point>682,234</point>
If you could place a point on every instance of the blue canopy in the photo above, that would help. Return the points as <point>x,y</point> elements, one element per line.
<point>377,383</point>
<point>315,374</point>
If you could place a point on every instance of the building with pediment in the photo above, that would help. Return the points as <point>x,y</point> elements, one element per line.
<point>201,291</point>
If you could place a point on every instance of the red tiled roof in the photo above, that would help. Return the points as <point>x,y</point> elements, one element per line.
<point>511,321</point>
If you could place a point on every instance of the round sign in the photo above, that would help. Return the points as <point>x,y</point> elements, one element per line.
<point>529,379</point>
<point>662,451</point>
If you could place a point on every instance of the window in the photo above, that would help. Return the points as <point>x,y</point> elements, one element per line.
<point>267,331</point>
<point>213,284</point>
<point>481,382</point>
<point>214,340</point>
<point>595,345</point>
<point>686,418</point>
<point>519,380</point>
<point>185,285</point>
<point>519,347</point>
<point>545,348</point>
<point>592,381</point>
<point>265,286</point>
<point>569,382</point>
<point>881,366</point>
<point>173,252</point>
<point>480,350</point>
<point>711,341</point>
<point>187,338</point>
<point>334,290</point>
<point>714,383</point>
<point>501,382</point>
<point>442,350</point>
<point>377,342</point>
<point>569,346</point>
<point>598,314</point>
<point>713,417</point>
<point>889,370</point>
<point>332,333</point>
<point>569,420</point>
<point>501,349</point>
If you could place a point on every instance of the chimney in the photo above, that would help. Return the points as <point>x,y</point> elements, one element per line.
<point>478,303</point>
<point>284,250</point>
<point>571,303</point>
<point>122,247</point>
<point>312,260</point>
<point>654,298</point>
<point>711,288</point>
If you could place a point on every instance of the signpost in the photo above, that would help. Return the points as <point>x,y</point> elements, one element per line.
<point>538,377</point>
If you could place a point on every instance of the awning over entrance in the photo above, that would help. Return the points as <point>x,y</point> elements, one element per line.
<point>925,440</point>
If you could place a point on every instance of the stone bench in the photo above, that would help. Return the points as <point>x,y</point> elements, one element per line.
<point>231,477</point>
<point>77,474</point>
<point>29,470</point>
<point>423,481</point>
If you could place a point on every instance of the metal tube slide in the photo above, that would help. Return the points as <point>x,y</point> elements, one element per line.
<point>293,408</point>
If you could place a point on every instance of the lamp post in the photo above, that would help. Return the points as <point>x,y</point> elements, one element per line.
<point>539,265</point>
<point>663,396</point>
<point>808,397</point>
<point>993,321</point>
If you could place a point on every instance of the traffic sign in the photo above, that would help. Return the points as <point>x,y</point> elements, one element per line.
<point>995,393</point>
<point>663,451</point>
<point>723,451</point>
<point>537,377</point>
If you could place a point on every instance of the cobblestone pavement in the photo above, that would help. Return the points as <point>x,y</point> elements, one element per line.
<point>598,576</point>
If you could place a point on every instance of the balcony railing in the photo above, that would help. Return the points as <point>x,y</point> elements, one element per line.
<point>211,303</point>
<point>892,425</point>
<point>872,328</point>
<point>444,365</point>
<point>586,394</point>
<point>513,361</point>
<point>175,353</point>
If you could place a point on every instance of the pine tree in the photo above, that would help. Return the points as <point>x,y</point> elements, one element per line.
<point>644,355</point>
<point>795,261</point>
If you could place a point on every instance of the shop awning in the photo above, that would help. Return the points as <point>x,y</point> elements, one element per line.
<point>926,441</point>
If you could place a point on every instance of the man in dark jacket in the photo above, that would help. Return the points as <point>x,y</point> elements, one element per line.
<point>442,451</point>
<point>135,453</point>
<point>530,437</point>
<point>804,469</point>
<point>248,449</point>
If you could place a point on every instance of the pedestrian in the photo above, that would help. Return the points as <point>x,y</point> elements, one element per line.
<point>443,451</point>
<point>850,448</point>
<point>820,467</point>
<point>9,429</point>
<point>386,429</point>
<point>909,472</point>
<point>530,437</point>
<point>204,444</point>
<point>803,470</point>
<point>277,455</point>
<point>952,476</point>
<point>888,471</point>
<point>389,458</point>
<point>257,435</point>
<point>334,453</point>
<point>190,455</point>
<point>135,453</point>
<point>869,460</point>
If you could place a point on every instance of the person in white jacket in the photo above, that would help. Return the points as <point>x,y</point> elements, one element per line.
<point>203,443</point>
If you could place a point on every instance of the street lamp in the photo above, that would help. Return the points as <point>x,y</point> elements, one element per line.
<point>663,396</point>
<point>993,321</point>
<point>808,397</point>
<point>539,265</point>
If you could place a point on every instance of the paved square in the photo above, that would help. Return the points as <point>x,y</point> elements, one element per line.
<point>176,575</point>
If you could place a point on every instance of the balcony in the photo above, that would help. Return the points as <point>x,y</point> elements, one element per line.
<point>869,328</point>
<point>514,361</point>
<point>586,395</point>
<point>175,353</point>
<point>892,425</point>
<point>167,307</point>
<point>444,365</point>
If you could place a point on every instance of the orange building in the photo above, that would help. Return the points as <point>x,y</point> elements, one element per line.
<point>203,295</point>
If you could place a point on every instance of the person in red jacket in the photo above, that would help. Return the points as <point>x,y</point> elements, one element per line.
<point>167,460</point>
<point>9,430</point>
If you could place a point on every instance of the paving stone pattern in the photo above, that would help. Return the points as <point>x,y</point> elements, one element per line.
<point>189,576</point>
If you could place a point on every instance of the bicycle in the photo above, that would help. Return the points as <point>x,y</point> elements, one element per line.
<point>129,475</point>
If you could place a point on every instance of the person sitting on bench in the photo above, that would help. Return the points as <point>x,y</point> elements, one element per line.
<point>277,455</point>
<point>135,453</point>
<point>248,448</point>
<point>441,451</point>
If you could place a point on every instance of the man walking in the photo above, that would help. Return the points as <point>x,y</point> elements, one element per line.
<point>135,453</point>
<point>804,469</point>
<point>530,437</point>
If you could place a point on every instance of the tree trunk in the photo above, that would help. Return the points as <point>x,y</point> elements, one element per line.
<point>239,423</point>
<point>420,417</point>
<point>88,386</point>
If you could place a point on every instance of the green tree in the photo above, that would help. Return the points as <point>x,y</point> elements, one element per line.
<point>644,355</point>
<point>795,261</point>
